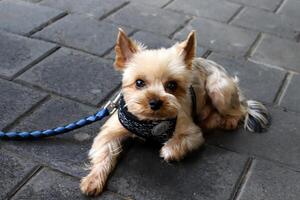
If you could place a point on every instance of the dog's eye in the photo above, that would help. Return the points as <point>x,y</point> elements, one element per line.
<point>140,83</point>
<point>171,86</point>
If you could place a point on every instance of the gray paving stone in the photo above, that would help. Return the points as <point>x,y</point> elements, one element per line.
<point>148,18</point>
<point>15,100</point>
<point>213,9</point>
<point>82,33</point>
<point>66,152</point>
<point>291,98</point>
<point>256,81</point>
<point>49,184</point>
<point>153,41</point>
<point>207,174</point>
<point>33,1</point>
<point>279,143</point>
<point>278,52</point>
<point>270,182</point>
<point>92,8</point>
<point>158,3</point>
<point>219,37</point>
<point>268,22</point>
<point>17,52</point>
<point>74,74</point>
<point>291,7</point>
<point>13,171</point>
<point>23,17</point>
<point>270,5</point>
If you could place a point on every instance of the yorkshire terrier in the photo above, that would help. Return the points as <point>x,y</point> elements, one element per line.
<point>156,86</point>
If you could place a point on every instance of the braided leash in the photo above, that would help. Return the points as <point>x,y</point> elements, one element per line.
<point>107,110</point>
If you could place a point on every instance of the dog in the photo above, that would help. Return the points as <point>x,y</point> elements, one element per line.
<point>169,84</point>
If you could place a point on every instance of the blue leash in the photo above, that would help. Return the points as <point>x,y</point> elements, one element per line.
<point>107,110</point>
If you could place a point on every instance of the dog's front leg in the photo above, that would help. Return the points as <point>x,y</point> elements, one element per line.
<point>103,156</point>
<point>187,137</point>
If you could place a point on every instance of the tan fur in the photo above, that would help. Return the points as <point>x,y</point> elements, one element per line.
<point>219,102</point>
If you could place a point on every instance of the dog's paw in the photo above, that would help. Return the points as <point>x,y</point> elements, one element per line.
<point>171,153</point>
<point>229,123</point>
<point>91,185</point>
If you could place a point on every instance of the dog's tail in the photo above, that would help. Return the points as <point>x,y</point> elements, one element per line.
<point>257,118</point>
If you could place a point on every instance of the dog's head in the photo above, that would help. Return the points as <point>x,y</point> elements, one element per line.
<point>155,81</point>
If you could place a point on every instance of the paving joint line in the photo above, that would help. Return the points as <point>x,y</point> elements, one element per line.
<point>118,195</point>
<point>168,3</point>
<point>112,93</point>
<point>49,22</point>
<point>25,180</point>
<point>258,157</point>
<point>36,61</point>
<point>250,6</point>
<point>79,178</point>
<point>242,179</point>
<point>113,11</point>
<point>254,45</point>
<point>263,32</point>
<point>279,6</point>
<point>25,114</point>
<point>283,88</point>
<point>239,10</point>
<point>67,46</point>
<point>207,53</point>
<point>107,52</point>
<point>272,66</point>
<point>52,93</point>
<point>297,38</point>
<point>181,27</point>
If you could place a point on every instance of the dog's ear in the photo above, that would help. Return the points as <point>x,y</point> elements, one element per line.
<point>124,49</point>
<point>188,49</point>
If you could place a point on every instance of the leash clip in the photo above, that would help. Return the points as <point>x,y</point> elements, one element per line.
<point>112,104</point>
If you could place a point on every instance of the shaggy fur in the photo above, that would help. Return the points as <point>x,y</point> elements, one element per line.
<point>220,103</point>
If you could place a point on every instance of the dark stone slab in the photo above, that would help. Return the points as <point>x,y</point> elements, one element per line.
<point>280,143</point>
<point>291,98</point>
<point>66,152</point>
<point>15,100</point>
<point>219,37</point>
<point>148,18</point>
<point>207,174</point>
<point>268,181</point>
<point>212,9</point>
<point>256,81</point>
<point>17,52</point>
<point>92,8</point>
<point>278,52</point>
<point>49,184</point>
<point>291,7</point>
<point>23,17</point>
<point>82,33</point>
<point>269,5</point>
<point>153,41</point>
<point>75,74</point>
<point>268,22</point>
<point>13,171</point>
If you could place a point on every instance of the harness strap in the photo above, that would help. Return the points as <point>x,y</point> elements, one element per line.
<point>194,104</point>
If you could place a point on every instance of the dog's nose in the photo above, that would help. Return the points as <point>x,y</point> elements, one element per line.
<point>155,104</point>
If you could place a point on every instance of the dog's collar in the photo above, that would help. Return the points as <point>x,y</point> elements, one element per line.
<point>153,130</point>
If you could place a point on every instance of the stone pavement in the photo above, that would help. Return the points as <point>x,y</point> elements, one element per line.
<point>56,66</point>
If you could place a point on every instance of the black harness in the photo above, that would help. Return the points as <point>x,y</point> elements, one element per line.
<point>154,130</point>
